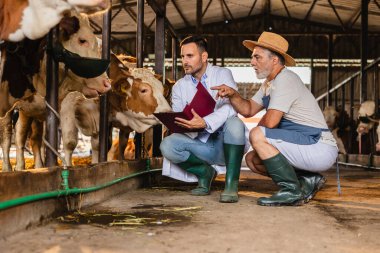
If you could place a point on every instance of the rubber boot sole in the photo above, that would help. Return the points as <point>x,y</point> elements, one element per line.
<point>229,198</point>
<point>298,202</point>
<point>200,191</point>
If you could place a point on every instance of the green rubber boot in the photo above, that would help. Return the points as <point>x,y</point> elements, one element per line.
<point>282,173</point>
<point>204,172</point>
<point>233,155</point>
<point>311,183</point>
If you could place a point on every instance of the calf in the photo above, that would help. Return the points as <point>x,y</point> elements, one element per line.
<point>331,117</point>
<point>136,94</point>
<point>34,18</point>
<point>366,125</point>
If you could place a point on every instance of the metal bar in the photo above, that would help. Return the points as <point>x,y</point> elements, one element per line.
<point>309,11</point>
<point>104,124</point>
<point>174,59</point>
<point>329,67</point>
<point>159,49</point>
<point>343,102</point>
<point>336,99</point>
<point>252,7</point>
<point>198,27</point>
<point>52,99</point>
<point>364,50</point>
<point>138,139</point>
<point>336,14</point>
<point>377,89</point>
<point>228,10</point>
<point>286,8</point>
<point>208,5</point>
<point>158,10</point>
<point>312,88</point>
<point>352,97</point>
<point>377,4</point>
<point>187,23</point>
<point>352,20</point>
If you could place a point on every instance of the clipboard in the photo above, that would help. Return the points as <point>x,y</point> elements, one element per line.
<point>202,103</point>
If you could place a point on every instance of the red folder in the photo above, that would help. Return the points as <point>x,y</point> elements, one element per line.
<point>202,103</point>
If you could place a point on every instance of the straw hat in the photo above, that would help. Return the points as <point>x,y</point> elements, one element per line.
<point>273,42</point>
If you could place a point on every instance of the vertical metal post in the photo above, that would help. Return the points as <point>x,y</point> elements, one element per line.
<point>329,66</point>
<point>140,59</point>
<point>364,50</point>
<point>174,59</point>
<point>103,124</point>
<point>215,53</point>
<point>159,49</point>
<point>52,99</point>
<point>343,97</point>
<point>198,27</point>
<point>352,97</point>
<point>376,86</point>
<point>312,79</point>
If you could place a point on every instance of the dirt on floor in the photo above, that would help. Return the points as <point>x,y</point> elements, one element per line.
<point>167,219</point>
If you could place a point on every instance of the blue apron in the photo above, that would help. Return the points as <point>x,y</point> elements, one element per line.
<point>289,131</point>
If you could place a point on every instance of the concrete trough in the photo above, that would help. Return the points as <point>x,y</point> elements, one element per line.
<point>360,159</point>
<point>25,183</point>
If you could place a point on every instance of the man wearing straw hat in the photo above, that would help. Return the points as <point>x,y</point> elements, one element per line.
<point>291,142</point>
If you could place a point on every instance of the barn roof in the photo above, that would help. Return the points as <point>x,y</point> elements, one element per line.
<point>345,15</point>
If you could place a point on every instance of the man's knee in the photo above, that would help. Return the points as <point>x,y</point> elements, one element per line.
<point>234,131</point>
<point>167,145</point>
<point>256,136</point>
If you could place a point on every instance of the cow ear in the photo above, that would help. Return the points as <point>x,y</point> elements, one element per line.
<point>115,67</point>
<point>68,26</point>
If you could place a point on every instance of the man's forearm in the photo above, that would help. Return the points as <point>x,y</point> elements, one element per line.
<point>241,105</point>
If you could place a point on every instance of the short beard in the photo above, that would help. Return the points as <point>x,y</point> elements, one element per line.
<point>264,74</point>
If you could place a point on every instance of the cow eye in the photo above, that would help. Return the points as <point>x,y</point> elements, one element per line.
<point>144,90</point>
<point>82,41</point>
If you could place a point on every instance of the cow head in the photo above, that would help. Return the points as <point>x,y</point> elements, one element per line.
<point>330,115</point>
<point>140,95</point>
<point>77,37</point>
<point>366,111</point>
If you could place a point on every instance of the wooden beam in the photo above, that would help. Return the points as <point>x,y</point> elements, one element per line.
<point>198,27</point>
<point>286,8</point>
<point>187,23</point>
<point>352,20</point>
<point>228,10</point>
<point>157,9</point>
<point>310,10</point>
<point>252,7</point>
<point>337,15</point>
<point>208,5</point>
<point>377,4</point>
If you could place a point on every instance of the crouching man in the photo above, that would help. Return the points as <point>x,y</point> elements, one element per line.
<point>291,143</point>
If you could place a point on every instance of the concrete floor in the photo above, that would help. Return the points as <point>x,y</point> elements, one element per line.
<point>167,219</point>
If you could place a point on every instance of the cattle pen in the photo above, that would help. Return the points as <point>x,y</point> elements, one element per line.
<point>88,176</point>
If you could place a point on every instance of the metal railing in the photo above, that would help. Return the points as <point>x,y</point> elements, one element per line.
<point>339,91</point>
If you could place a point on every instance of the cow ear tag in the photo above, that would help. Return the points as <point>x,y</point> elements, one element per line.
<point>85,67</point>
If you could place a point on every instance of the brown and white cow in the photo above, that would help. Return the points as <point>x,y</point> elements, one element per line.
<point>136,94</point>
<point>33,19</point>
<point>331,116</point>
<point>31,104</point>
<point>366,124</point>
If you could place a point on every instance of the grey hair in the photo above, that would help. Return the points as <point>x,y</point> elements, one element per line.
<point>271,53</point>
